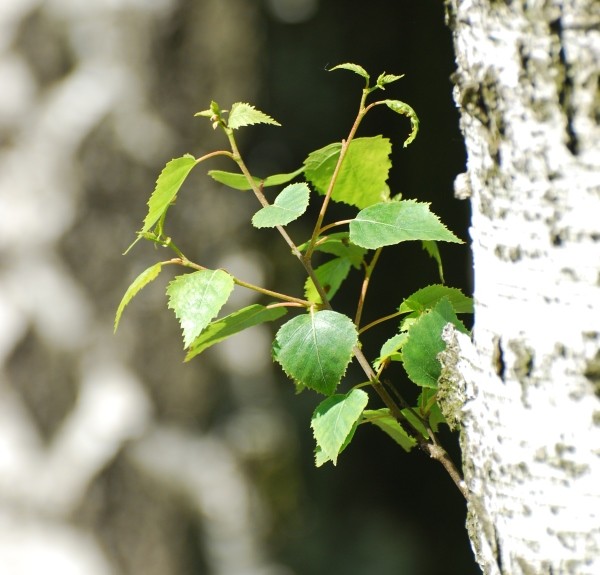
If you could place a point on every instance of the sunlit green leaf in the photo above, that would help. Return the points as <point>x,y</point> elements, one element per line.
<point>223,328</point>
<point>288,206</point>
<point>334,419</point>
<point>242,114</point>
<point>389,223</point>
<point>390,350</point>
<point>138,283</point>
<point>321,457</point>
<point>353,68</point>
<point>168,184</point>
<point>362,178</point>
<point>196,299</point>
<point>387,79</point>
<point>405,110</point>
<point>315,349</point>
<point>330,275</point>
<point>420,351</point>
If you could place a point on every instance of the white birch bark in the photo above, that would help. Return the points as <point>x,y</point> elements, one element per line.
<point>528,88</point>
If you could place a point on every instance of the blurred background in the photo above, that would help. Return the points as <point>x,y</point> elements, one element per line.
<point>115,456</point>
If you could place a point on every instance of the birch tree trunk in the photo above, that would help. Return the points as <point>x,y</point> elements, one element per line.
<point>528,89</point>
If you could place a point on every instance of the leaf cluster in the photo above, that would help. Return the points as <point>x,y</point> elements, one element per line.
<point>316,346</point>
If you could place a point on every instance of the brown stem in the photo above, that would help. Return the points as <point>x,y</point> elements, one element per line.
<point>433,448</point>
<point>365,286</point>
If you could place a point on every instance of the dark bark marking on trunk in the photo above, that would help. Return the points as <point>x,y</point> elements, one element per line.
<point>565,93</point>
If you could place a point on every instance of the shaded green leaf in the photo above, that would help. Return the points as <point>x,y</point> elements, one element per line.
<point>389,223</point>
<point>314,349</point>
<point>414,420</point>
<point>334,419</point>
<point>362,178</point>
<point>232,180</point>
<point>424,343</point>
<point>239,182</point>
<point>288,206</point>
<point>383,419</point>
<point>429,407</point>
<point>330,275</point>
<point>429,296</point>
<point>339,244</point>
<point>431,248</point>
<point>231,324</point>
<point>196,298</point>
<point>242,114</point>
<point>168,184</point>
<point>138,283</point>
<point>405,110</point>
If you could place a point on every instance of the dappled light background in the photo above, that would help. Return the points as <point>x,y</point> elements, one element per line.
<point>115,456</point>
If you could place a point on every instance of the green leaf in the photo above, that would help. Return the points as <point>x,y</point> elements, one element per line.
<point>424,343</point>
<point>231,324</point>
<point>330,275</point>
<point>389,223</point>
<point>314,349</point>
<point>387,79</point>
<point>242,114</point>
<point>239,181</point>
<point>404,109</point>
<point>321,457</point>
<point>288,206</point>
<point>432,249</point>
<point>383,419</point>
<point>390,350</point>
<point>334,419</point>
<point>232,180</point>
<point>138,283</point>
<point>414,420</point>
<point>196,298</point>
<point>429,296</point>
<point>339,245</point>
<point>353,68</point>
<point>362,178</point>
<point>213,111</point>
<point>168,184</point>
<point>429,408</point>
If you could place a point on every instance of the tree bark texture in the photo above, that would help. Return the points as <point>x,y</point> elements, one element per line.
<point>528,88</point>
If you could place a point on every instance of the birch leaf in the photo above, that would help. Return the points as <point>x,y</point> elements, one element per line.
<point>168,184</point>
<point>429,296</point>
<point>141,281</point>
<point>331,276</point>
<point>196,299</point>
<point>334,418</point>
<point>362,178</point>
<point>389,223</point>
<point>314,349</point>
<point>221,329</point>
<point>242,114</point>
<point>288,206</point>
<point>388,424</point>
<point>420,351</point>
